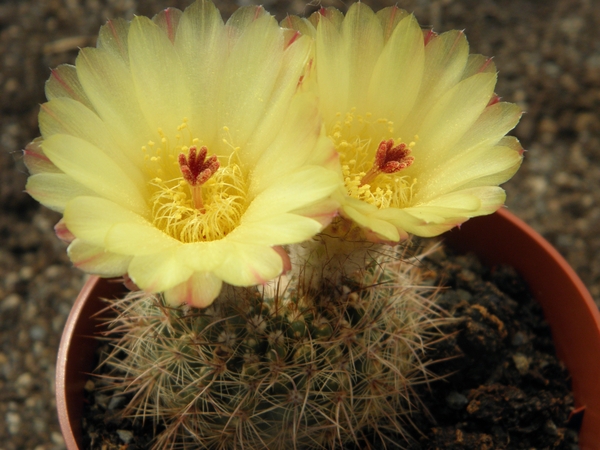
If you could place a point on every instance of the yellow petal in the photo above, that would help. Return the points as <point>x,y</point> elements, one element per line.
<point>90,218</point>
<point>365,215</point>
<point>64,82</point>
<point>333,15</point>
<point>450,118</point>
<point>491,197</point>
<point>297,190</point>
<point>252,67</point>
<point>113,38</point>
<point>467,202</point>
<point>138,238</point>
<point>168,21</point>
<point>509,147</point>
<point>89,166</point>
<point>331,67</point>
<point>201,44</point>
<point>96,260</point>
<point>478,64</point>
<point>294,146</point>
<point>241,19</point>
<point>35,159</point>
<point>200,290</point>
<point>491,166</point>
<point>491,126</point>
<point>246,264</point>
<point>157,69</point>
<point>300,24</point>
<point>389,18</point>
<point>108,84</point>
<point>55,190</point>
<point>202,256</point>
<point>67,116</point>
<point>282,109</point>
<point>158,272</point>
<point>322,212</point>
<point>397,75</point>
<point>445,58</point>
<point>362,39</point>
<point>279,230</point>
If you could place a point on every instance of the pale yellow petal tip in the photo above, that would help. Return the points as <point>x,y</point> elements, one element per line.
<point>199,291</point>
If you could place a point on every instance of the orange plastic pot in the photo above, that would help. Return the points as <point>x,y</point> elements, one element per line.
<point>499,238</point>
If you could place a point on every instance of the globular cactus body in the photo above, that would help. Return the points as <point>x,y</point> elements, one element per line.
<point>300,369</point>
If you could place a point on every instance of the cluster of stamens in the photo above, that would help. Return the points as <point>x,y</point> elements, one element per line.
<point>388,159</point>
<point>196,170</point>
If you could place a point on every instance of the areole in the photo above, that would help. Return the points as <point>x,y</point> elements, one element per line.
<point>499,238</point>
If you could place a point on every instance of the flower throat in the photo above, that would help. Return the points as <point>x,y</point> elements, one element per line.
<point>195,198</point>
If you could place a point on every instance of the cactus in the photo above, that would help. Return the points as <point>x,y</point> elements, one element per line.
<point>293,367</point>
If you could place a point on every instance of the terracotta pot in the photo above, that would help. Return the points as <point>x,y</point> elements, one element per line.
<point>499,238</point>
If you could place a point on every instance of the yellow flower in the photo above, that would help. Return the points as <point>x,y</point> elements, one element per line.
<point>180,154</point>
<point>414,117</point>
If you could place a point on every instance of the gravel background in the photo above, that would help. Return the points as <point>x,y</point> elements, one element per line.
<point>548,54</point>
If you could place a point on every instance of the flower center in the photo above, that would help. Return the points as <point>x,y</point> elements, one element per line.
<point>196,170</point>
<point>388,159</point>
<point>372,160</point>
<point>194,198</point>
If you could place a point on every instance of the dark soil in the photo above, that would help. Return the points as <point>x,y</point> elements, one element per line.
<point>502,387</point>
<point>507,389</point>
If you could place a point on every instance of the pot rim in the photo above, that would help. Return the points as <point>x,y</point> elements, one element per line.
<point>77,354</point>
<point>497,238</point>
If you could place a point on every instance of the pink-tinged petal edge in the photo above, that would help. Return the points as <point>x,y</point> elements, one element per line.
<point>287,263</point>
<point>129,283</point>
<point>63,233</point>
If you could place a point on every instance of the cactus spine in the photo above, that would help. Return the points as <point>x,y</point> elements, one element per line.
<point>287,367</point>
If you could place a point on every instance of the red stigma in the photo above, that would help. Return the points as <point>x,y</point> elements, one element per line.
<point>196,169</point>
<point>388,159</point>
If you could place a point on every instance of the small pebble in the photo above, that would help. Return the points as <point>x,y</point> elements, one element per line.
<point>125,435</point>
<point>57,439</point>
<point>26,273</point>
<point>464,295</point>
<point>521,363</point>
<point>102,400</point>
<point>456,400</point>
<point>11,279</point>
<point>37,333</point>
<point>115,402</point>
<point>89,386</point>
<point>24,381</point>
<point>10,302</point>
<point>13,422</point>
<point>550,428</point>
<point>519,338</point>
<point>53,272</point>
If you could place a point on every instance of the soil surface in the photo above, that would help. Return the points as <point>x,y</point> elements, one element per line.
<point>506,389</point>
<point>548,56</point>
<point>502,386</point>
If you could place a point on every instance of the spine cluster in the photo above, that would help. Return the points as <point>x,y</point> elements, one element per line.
<point>290,367</point>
